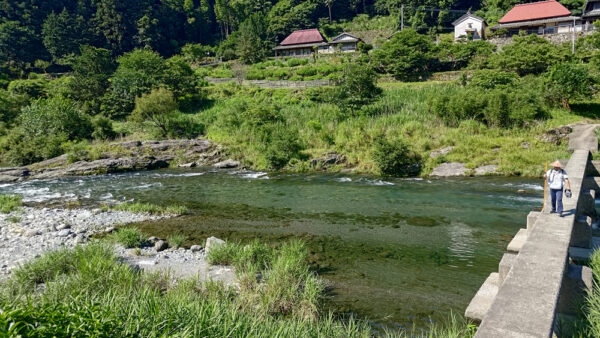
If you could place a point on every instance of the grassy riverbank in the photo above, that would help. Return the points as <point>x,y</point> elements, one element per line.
<point>87,291</point>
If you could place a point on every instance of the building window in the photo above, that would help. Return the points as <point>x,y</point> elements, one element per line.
<point>470,25</point>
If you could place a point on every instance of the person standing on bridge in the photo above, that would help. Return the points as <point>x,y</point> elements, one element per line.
<point>557,177</point>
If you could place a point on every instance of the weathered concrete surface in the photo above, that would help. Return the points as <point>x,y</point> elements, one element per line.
<point>525,305</point>
<point>531,219</point>
<point>507,262</point>
<point>518,241</point>
<point>480,304</point>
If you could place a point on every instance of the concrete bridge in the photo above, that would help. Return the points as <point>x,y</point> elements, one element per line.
<point>542,279</point>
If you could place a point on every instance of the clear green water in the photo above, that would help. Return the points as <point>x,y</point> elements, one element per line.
<point>396,252</point>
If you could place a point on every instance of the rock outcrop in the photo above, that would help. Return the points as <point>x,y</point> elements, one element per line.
<point>121,157</point>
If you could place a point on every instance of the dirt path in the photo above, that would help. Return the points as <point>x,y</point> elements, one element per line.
<point>584,137</point>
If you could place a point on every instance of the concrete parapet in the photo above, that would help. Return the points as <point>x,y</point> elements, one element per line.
<point>507,262</point>
<point>587,203</point>
<point>576,283</point>
<point>531,218</point>
<point>517,242</point>
<point>483,299</point>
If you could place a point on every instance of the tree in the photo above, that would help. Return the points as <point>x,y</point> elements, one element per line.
<point>528,54</point>
<point>569,81</point>
<point>357,87</point>
<point>19,44</point>
<point>138,73</point>
<point>251,45</point>
<point>60,34</point>
<point>407,55</point>
<point>157,107</point>
<point>329,3</point>
<point>91,71</point>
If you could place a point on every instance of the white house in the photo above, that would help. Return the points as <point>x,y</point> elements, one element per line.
<point>345,42</point>
<point>469,25</point>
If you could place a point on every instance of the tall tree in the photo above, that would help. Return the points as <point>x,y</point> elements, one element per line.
<point>251,41</point>
<point>91,71</point>
<point>61,34</point>
<point>18,44</point>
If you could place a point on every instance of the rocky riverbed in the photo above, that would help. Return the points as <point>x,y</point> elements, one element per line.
<point>28,233</point>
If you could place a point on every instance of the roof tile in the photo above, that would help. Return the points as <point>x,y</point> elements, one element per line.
<point>535,11</point>
<point>303,36</point>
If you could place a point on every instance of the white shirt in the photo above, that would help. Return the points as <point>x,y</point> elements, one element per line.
<point>556,178</point>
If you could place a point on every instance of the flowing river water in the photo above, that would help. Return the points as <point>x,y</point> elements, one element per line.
<point>398,252</point>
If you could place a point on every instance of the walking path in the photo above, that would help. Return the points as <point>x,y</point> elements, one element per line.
<point>584,137</point>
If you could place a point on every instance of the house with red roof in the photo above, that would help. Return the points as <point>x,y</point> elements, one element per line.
<point>542,17</point>
<point>307,41</point>
<point>301,42</point>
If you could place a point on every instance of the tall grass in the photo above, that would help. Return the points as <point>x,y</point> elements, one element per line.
<point>129,237</point>
<point>176,240</point>
<point>588,323</point>
<point>10,203</point>
<point>276,282</point>
<point>90,293</point>
<point>245,120</point>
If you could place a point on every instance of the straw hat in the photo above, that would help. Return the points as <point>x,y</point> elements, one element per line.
<point>556,164</point>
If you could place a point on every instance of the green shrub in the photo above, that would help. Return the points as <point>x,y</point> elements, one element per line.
<point>181,125</point>
<point>569,81</point>
<point>103,128</point>
<point>55,116</point>
<point>157,108</point>
<point>394,158</point>
<point>284,145</point>
<point>129,237</point>
<point>34,88</point>
<point>407,55</point>
<point>255,74</point>
<point>491,78</point>
<point>293,62</point>
<point>306,71</point>
<point>10,203</point>
<point>176,240</point>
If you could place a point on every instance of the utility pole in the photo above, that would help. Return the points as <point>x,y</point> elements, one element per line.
<point>402,17</point>
<point>573,39</point>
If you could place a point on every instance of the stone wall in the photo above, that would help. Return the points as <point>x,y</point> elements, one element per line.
<point>554,38</point>
<point>274,84</point>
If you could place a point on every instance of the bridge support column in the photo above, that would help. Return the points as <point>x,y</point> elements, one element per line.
<point>578,280</point>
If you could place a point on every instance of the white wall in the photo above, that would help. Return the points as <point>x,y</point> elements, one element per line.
<point>462,27</point>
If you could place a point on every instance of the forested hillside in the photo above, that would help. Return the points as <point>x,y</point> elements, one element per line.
<point>49,31</point>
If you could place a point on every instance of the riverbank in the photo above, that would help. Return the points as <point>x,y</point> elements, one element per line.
<point>116,157</point>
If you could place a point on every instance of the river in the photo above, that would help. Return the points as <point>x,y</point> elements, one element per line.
<point>398,252</point>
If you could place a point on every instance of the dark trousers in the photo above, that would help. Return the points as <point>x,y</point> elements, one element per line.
<point>556,198</point>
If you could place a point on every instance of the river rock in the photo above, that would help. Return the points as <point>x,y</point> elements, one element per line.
<point>331,158</point>
<point>63,227</point>
<point>440,152</point>
<point>212,242</point>
<point>31,233</point>
<point>486,170</point>
<point>450,169</point>
<point>64,233</point>
<point>161,245</point>
<point>556,135</point>
<point>195,248</point>
<point>227,164</point>
<point>187,165</point>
